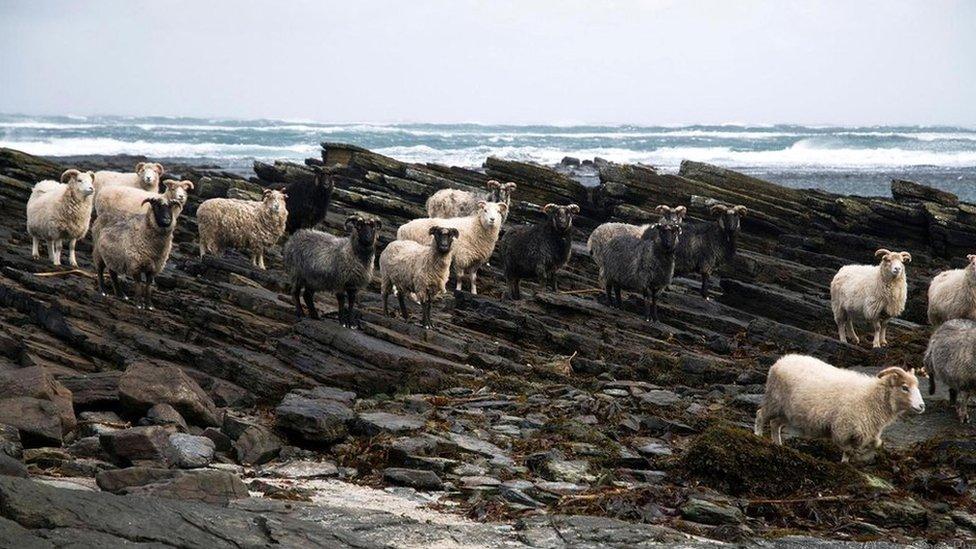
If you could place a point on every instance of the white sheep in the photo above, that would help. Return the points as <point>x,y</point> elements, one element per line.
<point>952,294</point>
<point>478,235</point>
<point>875,293</point>
<point>245,224</point>
<point>421,270</point>
<point>145,177</point>
<point>60,211</point>
<point>820,400</point>
<point>447,203</point>
<point>131,200</point>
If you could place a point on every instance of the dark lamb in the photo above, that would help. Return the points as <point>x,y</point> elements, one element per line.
<point>706,246</point>
<point>644,265</point>
<point>538,251</point>
<point>308,202</point>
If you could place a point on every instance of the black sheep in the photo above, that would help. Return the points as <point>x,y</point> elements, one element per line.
<point>705,246</point>
<point>308,201</point>
<point>538,251</point>
<point>644,265</point>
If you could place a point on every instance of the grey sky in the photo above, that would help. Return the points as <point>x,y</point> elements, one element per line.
<point>517,61</point>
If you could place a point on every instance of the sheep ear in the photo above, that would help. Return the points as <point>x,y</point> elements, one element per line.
<point>92,175</point>
<point>906,257</point>
<point>548,207</point>
<point>433,231</point>
<point>573,209</point>
<point>169,183</point>
<point>68,174</point>
<point>139,166</point>
<point>492,185</point>
<point>159,168</point>
<point>454,232</point>
<point>482,204</point>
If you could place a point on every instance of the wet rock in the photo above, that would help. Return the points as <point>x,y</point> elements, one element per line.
<point>910,191</point>
<point>144,385</point>
<point>222,442</point>
<point>208,486</point>
<point>257,445</point>
<point>896,513</point>
<point>11,467</point>
<point>313,416</point>
<point>38,421</point>
<point>139,445</point>
<point>95,390</point>
<point>660,397</point>
<point>192,451</point>
<point>302,469</point>
<point>37,383</point>
<point>10,441</point>
<point>374,423</point>
<point>413,478</point>
<point>117,481</point>
<point>708,512</point>
<point>164,415</point>
<point>655,448</point>
<point>575,471</point>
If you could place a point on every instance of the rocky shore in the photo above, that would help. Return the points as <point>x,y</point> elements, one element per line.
<point>218,420</point>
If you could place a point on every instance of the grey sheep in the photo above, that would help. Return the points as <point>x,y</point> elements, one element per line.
<point>644,264</point>
<point>408,267</point>
<point>136,245</point>
<point>317,261</point>
<point>447,203</point>
<point>951,357</point>
<point>704,247</point>
<point>539,250</point>
<point>608,231</point>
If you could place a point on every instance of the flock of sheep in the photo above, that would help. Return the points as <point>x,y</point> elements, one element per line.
<point>133,232</point>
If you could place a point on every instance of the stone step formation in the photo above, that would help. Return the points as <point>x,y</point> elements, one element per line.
<point>573,421</point>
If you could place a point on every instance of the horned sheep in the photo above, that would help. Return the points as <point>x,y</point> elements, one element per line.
<point>608,231</point>
<point>136,245</point>
<point>421,270</point>
<point>317,261</point>
<point>951,358</point>
<point>60,211</point>
<point>820,400</point>
<point>474,246</point>
<point>145,177</point>
<point>447,203</point>
<point>248,225</point>
<point>952,294</point>
<point>539,250</point>
<point>875,293</point>
<point>706,246</point>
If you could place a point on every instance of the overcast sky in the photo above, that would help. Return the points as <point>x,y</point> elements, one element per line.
<point>517,61</point>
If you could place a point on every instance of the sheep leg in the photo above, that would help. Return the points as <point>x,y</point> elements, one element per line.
<point>851,332</point>
<point>704,286</point>
<point>514,288</point>
<point>385,294</point>
<point>474,282</point>
<point>296,297</point>
<point>117,286</point>
<point>52,252</point>
<point>962,407</point>
<point>458,275</point>
<point>760,423</point>
<point>310,303</point>
<point>553,283</point>
<point>403,305</point>
<point>261,261</point>
<point>355,320</point>
<point>71,253</point>
<point>953,395</point>
<point>148,290</point>
<point>101,279</point>
<point>341,298</point>
<point>425,306</point>
<point>776,430</point>
<point>35,247</point>
<point>876,324</point>
<point>884,332</point>
<point>620,302</point>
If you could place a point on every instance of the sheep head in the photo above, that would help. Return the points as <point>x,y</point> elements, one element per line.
<point>729,217</point>
<point>666,234</point>
<point>80,183</point>
<point>443,238</point>
<point>364,231</point>
<point>178,190</point>
<point>561,217</point>
<point>903,393</point>
<point>275,201</point>
<point>505,190</point>
<point>673,215</point>
<point>893,263</point>
<point>324,180</point>
<point>149,174</point>
<point>492,213</point>
<point>161,211</point>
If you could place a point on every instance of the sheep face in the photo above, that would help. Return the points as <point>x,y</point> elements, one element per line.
<point>501,192</point>
<point>561,217</point>
<point>275,200</point>
<point>492,213</point>
<point>903,393</point>
<point>161,211</point>
<point>363,231</point>
<point>149,174</point>
<point>323,184</point>
<point>893,263</point>
<point>82,184</point>
<point>729,218</point>
<point>178,190</point>
<point>443,238</point>
<point>667,235</point>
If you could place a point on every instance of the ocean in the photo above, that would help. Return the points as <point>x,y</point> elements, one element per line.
<point>847,160</point>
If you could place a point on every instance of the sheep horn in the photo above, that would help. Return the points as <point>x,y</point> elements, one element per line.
<point>681,211</point>
<point>661,209</point>
<point>889,371</point>
<point>139,166</point>
<point>718,208</point>
<point>492,184</point>
<point>68,174</point>
<point>547,207</point>
<point>573,209</point>
<point>510,186</point>
<point>906,257</point>
<point>148,200</point>
<point>741,210</point>
<point>881,252</point>
<point>351,219</point>
<point>188,184</point>
<point>159,168</point>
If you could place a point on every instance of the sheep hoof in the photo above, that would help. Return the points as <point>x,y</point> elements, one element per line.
<point>150,308</point>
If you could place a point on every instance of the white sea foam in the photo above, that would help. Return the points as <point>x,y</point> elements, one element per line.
<point>106,146</point>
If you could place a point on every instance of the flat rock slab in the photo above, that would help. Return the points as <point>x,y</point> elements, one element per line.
<point>301,469</point>
<point>374,423</point>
